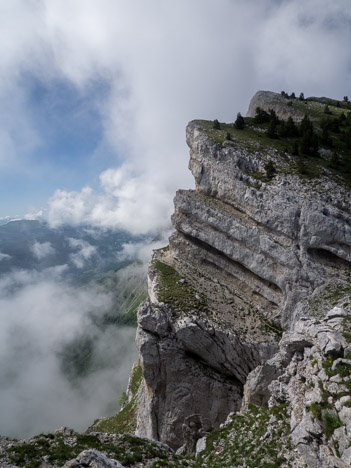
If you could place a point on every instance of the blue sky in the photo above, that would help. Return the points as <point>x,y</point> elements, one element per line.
<point>69,153</point>
<point>95,95</point>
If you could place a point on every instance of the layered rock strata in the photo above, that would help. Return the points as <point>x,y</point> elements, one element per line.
<point>311,374</point>
<point>246,260</point>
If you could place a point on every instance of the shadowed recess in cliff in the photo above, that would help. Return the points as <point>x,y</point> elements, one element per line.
<point>327,258</point>
<point>236,265</point>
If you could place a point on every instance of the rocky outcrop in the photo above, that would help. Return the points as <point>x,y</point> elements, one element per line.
<point>190,385</point>
<point>310,374</point>
<point>69,449</point>
<point>283,238</point>
<point>282,106</point>
<point>92,458</point>
<point>249,256</point>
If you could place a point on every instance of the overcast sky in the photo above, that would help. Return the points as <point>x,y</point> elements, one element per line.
<point>95,94</point>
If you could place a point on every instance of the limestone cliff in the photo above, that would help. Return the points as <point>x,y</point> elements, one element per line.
<point>245,342</point>
<point>252,254</point>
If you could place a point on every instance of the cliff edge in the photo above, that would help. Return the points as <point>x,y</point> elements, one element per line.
<point>250,270</point>
<point>245,341</point>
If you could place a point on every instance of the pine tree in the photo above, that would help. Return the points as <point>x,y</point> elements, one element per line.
<point>272,129</point>
<point>325,138</point>
<point>282,131</point>
<point>295,150</point>
<point>305,125</point>
<point>261,116</point>
<point>273,116</point>
<point>334,162</point>
<point>347,138</point>
<point>309,143</point>
<point>291,129</point>
<point>239,124</point>
<point>216,125</point>
<point>301,166</point>
<point>270,170</point>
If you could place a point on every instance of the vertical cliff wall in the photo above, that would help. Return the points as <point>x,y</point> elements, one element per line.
<point>249,257</point>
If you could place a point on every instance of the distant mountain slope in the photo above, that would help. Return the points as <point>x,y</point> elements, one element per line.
<point>29,244</point>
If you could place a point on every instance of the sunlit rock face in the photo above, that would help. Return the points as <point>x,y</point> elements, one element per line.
<point>247,257</point>
<point>282,240</point>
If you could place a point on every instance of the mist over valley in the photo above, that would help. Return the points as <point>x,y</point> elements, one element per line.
<point>68,298</point>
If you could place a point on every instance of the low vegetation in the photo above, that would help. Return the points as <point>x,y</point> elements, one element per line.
<point>320,141</point>
<point>56,450</point>
<point>176,291</point>
<point>254,439</point>
<point>335,294</point>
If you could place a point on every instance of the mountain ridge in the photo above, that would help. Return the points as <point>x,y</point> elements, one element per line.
<point>245,342</point>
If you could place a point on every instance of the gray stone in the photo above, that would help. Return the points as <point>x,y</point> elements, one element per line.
<point>200,445</point>
<point>339,436</point>
<point>267,100</point>
<point>340,361</point>
<point>257,255</point>
<point>346,456</point>
<point>331,343</point>
<point>186,373</point>
<point>345,415</point>
<point>92,458</point>
<point>337,312</point>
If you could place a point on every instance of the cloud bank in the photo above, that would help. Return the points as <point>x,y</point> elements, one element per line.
<point>4,256</point>
<point>165,63</point>
<point>42,250</point>
<point>40,314</point>
<point>84,251</point>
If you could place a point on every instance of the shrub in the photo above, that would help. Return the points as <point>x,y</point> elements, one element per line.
<point>295,150</point>
<point>216,125</point>
<point>272,129</point>
<point>331,422</point>
<point>291,129</point>
<point>270,170</point>
<point>261,116</point>
<point>239,124</point>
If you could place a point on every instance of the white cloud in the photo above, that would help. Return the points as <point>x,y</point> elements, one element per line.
<point>139,204</point>
<point>39,315</point>
<point>142,250</point>
<point>42,250</point>
<point>84,251</point>
<point>166,63</point>
<point>4,256</point>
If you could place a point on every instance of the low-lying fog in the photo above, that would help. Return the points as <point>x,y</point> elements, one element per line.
<point>39,315</point>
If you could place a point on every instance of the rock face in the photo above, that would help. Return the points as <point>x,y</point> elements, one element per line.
<point>310,374</point>
<point>281,240</point>
<point>247,260</point>
<point>188,378</point>
<point>283,107</point>
<point>92,458</point>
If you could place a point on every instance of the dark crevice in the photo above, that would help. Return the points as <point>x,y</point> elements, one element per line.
<point>198,243</point>
<point>327,258</point>
<point>340,246</point>
<point>229,378</point>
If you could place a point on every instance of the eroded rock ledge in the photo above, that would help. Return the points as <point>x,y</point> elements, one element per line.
<point>247,261</point>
